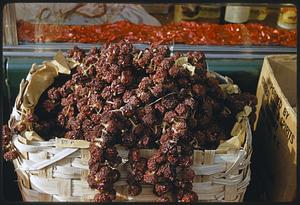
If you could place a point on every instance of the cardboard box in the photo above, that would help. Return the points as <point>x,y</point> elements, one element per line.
<point>276,126</point>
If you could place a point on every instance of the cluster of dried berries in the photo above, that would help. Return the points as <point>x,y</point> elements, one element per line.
<point>8,152</point>
<point>148,99</point>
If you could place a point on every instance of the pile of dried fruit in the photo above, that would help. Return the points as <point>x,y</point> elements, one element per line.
<point>149,99</point>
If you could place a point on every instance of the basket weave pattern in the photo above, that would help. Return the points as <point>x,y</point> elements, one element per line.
<point>219,177</point>
<point>48,171</point>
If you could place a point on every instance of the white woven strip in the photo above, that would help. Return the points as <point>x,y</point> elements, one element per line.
<point>81,187</point>
<point>79,163</point>
<point>57,150</point>
<point>33,195</point>
<point>26,148</point>
<point>75,154</point>
<point>37,156</point>
<point>28,77</point>
<point>225,158</point>
<point>67,172</point>
<point>68,143</point>
<point>26,164</point>
<point>247,160</point>
<point>54,150</point>
<point>50,186</point>
<point>76,173</point>
<point>44,185</point>
<point>49,143</point>
<point>30,165</point>
<point>66,199</point>
<point>232,180</point>
<point>65,176</point>
<point>207,187</point>
<point>209,169</point>
<point>240,158</point>
<point>246,180</point>
<point>15,114</point>
<point>248,143</point>
<point>210,196</point>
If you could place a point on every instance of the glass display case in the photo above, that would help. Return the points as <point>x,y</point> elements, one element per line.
<point>44,25</point>
<point>234,37</point>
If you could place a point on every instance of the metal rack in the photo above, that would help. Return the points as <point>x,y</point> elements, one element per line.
<point>233,52</point>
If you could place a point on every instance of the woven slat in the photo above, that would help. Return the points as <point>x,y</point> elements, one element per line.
<point>223,177</point>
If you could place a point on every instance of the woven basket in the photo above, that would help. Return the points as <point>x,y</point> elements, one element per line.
<point>56,170</point>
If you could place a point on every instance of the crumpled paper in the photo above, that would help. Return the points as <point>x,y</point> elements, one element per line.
<point>61,64</point>
<point>32,136</point>
<point>230,88</point>
<point>183,62</point>
<point>43,76</point>
<point>40,81</point>
<point>238,132</point>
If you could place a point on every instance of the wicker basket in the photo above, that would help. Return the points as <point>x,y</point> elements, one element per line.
<point>56,170</point>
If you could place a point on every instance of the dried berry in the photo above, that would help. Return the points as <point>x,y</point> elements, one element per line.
<point>199,90</point>
<point>134,155</point>
<point>150,177</point>
<point>134,190</point>
<point>10,155</point>
<point>102,197</point>
<point>163,199</point>
<point>189,197</point>
<point>161,188</point>
<point>126,77</point>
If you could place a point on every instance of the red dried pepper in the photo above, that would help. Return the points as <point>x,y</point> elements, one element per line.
<point>183,32</point>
